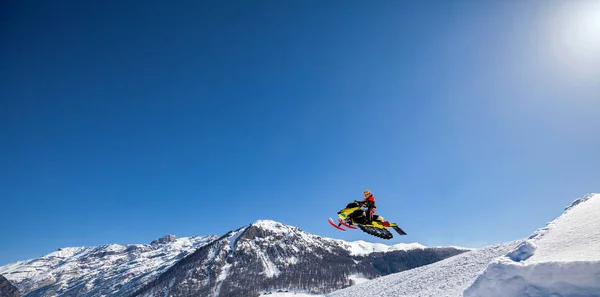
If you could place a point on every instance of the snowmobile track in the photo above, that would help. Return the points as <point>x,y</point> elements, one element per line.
<point>381,233</point>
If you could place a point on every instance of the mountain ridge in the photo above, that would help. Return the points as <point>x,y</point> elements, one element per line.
<point>119,268</point>
<point>285,256</point>
<point>267,255</point>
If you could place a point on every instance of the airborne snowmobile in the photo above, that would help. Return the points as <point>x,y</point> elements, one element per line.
<point>353,217</point>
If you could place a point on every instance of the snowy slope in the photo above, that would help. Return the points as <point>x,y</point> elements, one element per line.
<point>448,277</point>
<point>108,270</point>
<point>561,259</point>
<point>289,294</point>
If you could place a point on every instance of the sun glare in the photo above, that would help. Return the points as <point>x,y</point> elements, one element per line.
<point>575,36</point>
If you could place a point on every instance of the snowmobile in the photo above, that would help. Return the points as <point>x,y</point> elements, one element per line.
<point>353,217</point>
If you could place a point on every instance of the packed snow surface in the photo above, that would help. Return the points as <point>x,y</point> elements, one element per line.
<point>561,259</point>
<point>448,277</point>
<point>358,278</point>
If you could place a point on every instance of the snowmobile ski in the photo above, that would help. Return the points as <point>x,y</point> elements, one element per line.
<point>399,230</point>
<point>345,224</point>
<point>335,225</point>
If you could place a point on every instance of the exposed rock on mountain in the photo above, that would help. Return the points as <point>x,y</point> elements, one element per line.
<point>7,289</point>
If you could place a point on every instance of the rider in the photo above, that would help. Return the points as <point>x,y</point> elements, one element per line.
<point>369,202</point>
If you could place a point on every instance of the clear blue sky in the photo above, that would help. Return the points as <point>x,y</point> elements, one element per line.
<point>471,122</point>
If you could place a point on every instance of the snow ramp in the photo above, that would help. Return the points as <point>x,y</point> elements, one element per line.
<point>561,259</point>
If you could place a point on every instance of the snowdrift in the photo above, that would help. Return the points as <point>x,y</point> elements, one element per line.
<point>561,259</point>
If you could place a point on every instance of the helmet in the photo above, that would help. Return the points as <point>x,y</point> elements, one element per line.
<point>367,193</point>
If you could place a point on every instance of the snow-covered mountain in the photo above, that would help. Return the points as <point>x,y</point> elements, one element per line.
<point>108,270</point>
<point>265,256</point>
<point>268,256</point>
<point>7,289</point>
<point>561,259</point>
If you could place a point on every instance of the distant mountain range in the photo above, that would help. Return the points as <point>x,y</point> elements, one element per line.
<point>108,270</point>
<point>261,257</point>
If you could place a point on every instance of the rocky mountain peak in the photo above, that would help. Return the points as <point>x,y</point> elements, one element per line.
<point>164,239</point>
<point>266,228</point>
